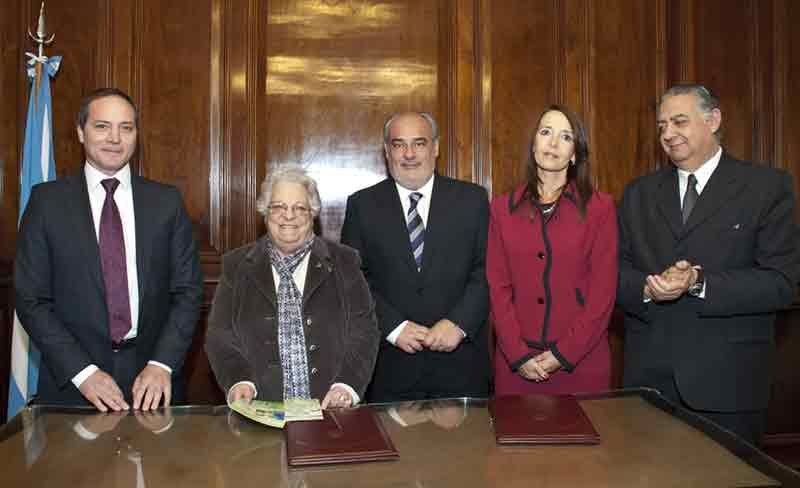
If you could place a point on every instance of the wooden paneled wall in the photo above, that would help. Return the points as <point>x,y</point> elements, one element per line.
<point>228,87</point>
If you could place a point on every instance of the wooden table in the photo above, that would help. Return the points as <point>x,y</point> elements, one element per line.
<point>443,443</point>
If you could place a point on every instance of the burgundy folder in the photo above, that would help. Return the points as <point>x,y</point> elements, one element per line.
<point>541,419</point>
<point>351,435</point>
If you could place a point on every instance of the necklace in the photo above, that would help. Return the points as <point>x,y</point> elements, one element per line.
<point>551,197</point>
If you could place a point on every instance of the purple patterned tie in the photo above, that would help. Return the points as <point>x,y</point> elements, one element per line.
<point>115,272</point>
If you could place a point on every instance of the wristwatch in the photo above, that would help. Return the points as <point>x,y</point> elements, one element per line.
<point>697,287</point>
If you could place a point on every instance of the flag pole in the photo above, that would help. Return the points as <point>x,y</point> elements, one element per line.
<point>41,39</point>
<point>38,166</point>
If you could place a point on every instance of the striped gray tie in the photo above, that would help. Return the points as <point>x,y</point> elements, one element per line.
<point>416,231</point>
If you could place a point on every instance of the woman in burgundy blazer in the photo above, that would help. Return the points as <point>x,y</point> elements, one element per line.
<point>552,269</point>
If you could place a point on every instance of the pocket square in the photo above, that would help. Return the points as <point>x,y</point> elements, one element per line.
<point>736,226</point>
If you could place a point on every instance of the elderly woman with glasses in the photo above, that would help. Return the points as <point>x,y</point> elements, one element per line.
<point>292,316</point>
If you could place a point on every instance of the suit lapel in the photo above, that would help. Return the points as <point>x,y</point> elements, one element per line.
<point>396,230</point>
<point>142,214</point>
<point>83,223</point>
<point>720,189</point>
<point>435,227</point>
<point>668,201</point>
<point>258,271</point>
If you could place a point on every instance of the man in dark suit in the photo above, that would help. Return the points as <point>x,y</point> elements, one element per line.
<point>422,239</point>
<point>708,254</point>
<point>108,284</point>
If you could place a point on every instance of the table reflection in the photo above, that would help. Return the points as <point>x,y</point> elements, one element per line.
<point>442,443</point>
<point>81,447</point>
<point>447,414</point>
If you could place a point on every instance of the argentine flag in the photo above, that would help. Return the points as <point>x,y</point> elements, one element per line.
<point>38,165</point>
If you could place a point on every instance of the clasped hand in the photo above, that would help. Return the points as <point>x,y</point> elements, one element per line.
<point>671,283</point>
<point>444,336</point>
<point>539,368</point>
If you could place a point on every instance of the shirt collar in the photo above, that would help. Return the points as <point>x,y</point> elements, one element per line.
<point>94,177</point>
<point>704,172</point>
<point>426,190</point>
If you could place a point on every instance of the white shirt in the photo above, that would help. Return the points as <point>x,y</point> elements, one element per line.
<point>123,197</point>
<point>299,276</point>
<point>703,174</point>
<point>424,203</point>
<point>423,207</point>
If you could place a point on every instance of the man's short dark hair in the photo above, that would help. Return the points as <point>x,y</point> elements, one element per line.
<point>83,111</point>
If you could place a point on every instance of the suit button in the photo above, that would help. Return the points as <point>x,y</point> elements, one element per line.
<point>309,322</point>
<point>420,291</point>
<point>540,300</point>
<point>314,371</point>
<point>540,255</point>
<point>312,348</point>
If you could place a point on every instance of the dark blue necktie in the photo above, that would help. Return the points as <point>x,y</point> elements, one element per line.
<point>416,230</point>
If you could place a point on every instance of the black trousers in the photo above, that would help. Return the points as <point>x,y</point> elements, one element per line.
<point>126,371</point>
<point>438,380</point>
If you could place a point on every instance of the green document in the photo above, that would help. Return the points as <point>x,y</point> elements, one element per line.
<point>276,414</point>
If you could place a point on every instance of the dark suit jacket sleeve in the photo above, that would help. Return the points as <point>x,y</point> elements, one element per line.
<point>389,316</point>
<point>770,283</point>
<point>223,345</point>
<point>34,294</point>
<point>630,290</point>
<point>362,336</point>
<point>185,289</point>
<point>471,310</point>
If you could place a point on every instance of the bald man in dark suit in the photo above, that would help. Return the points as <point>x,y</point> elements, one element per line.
<point>422,239</point>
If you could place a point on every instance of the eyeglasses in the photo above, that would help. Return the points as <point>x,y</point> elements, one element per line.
<point>417,145</point>
<point>280,208</point>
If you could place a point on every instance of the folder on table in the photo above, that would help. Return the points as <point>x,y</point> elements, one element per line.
<point>541,419</point>
<point>351,435</point>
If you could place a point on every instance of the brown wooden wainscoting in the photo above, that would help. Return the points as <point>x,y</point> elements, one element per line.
<point>783,447</point>
<point>202,387</point>
<point>6,326</point>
